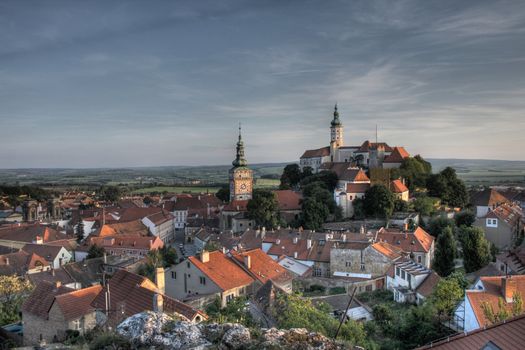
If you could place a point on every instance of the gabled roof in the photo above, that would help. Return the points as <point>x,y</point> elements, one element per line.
<point>397,156</point>
<point>77,303</point>
<point>262,266</point>
<point>222,271</point>
<point>48,252</point>
<point>491,294</point>
<point>314,153</point>
<point>417,241</point>
<point>41,299</point>
<point>135,294</point>
<point>29,232</point>
<point>135,227</point>
<point>160,217</point>
<point>388,250</point>
<point>508,213</point>
<point>398,186</point>
<point>20,262</point>
<point>427,286</point>
<point>487,198</point>
<point>128,241</point>
<point>367,145</point>
<point>508,335</point>
<point>346,172</point>
<point>288,199</point>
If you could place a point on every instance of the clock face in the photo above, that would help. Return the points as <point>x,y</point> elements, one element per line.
<point>243,186</point>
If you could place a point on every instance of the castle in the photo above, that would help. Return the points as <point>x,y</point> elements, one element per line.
<point>368,155</point>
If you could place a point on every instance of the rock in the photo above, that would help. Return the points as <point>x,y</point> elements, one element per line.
<point>158,330</point>
<point>235,338</point>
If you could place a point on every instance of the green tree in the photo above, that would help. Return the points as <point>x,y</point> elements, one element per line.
<point>445,253</point>
<point>400,205</point>
<point>438,225</point>
<point>415,170</point>
<point>419,326</point>
<point>424,205</point>
<point>169,255</point>
<point>359,208</point>
<point>291,176</point>
<point>13,292</point>
<point>446,296</point>
<point>465,218</point>
<point>95,252</point>
<point>263,208</point>
<point>110,193</point>
<point>476,249</point>
<point>223,194</point>
<point>329,178</point>
<point>447,186</point>
<point>379,201</point>
<point>313,214</point>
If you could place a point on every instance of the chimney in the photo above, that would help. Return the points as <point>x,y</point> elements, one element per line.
<point>6,260</point>
<point>158,302</point>
<point>509,286</point>
<point>257,233</point>
<point>159,279</point>
<point>295,240</point>
<point>105,258</point>
<point>277,241</point>
<point>295,255</point>
<point>58,284</point>
<point>343,236</point>
<point>362,230</point>
<point>263,232</point>
<point>248,261</point>
<point>205,256</point>
<point>52,272</point>
<point>405,227</point>
<point>308,243</point>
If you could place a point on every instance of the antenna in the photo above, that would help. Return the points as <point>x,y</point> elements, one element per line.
<point>376,134</point>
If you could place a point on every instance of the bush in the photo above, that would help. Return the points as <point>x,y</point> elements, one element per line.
<point>337,290</point>
<point>110,341</point>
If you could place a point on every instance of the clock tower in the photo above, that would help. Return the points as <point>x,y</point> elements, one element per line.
<point>241,177</point>
<point>336,136</point>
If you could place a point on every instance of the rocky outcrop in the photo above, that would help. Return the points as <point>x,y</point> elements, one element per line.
<point>161,331</point>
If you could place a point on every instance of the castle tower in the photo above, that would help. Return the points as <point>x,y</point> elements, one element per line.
<point>336,136</point>
<point>241,177</point>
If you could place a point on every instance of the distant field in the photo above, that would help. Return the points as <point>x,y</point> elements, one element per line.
<point>179,178</point>
<point>175,189</point>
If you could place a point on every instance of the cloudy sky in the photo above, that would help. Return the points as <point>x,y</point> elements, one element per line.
<point>139,83</point>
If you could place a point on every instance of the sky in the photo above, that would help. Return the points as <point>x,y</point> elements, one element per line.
<point>146,83</point>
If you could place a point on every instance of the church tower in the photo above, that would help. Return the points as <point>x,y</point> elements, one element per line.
<point>336,136</point>
<point>241,177</point>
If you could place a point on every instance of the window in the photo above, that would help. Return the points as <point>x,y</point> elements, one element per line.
<point>317,271</point>
<point>492,222</point>
<point>348,264</point>
<point>403,274</point>
<point>368,288</point>
<point>229,298</point>
<point>419,259</point>
<point>409,277</point>
<point>188,264</point>
<point>362,266</point>
<point>76,325</point>
<point>173,275</point>
<point>398,271</point>
<point>202,280</point>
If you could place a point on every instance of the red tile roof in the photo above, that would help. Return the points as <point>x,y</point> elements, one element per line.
<point>487,198</point>
<point>77,303</point>
<point>508,213</point>
<point>20,262</point>
<point>508,335</point>
<point>427,286</point>
<point>288,199</point>
<point>397,155</point>
<point>262,267</point>
<point>320,152</point>
<point>133,294</point>
<point>388,250</point>
<point>41,299</point>
<point>346,172</point>
<point>222,271</point>
<point>160,217</point>
<point>367,145</point>
<point>28,233</point>
<point>398,186</point>
<point>491,294</point>
<point>236,205</point>
<point>48,252</point>
<point>128,241</point>
<point>417,241</point>
<point>135,227</point>
<point>357,188</point>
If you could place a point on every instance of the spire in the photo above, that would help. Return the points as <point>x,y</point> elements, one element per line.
<point>336,121</point>
<point>239,159</point>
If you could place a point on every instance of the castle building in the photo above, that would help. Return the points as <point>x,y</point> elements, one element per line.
<point>367,155</point>
<point>241,177</point>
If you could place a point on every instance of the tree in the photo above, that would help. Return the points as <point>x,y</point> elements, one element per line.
<point>263,208</point>
<point>446,296</point>
<point>147,200</point>
<point>437,225</point>
<point>313,214</point>
<point>465,218</point>
<point>424,205</point>
<point>359,209</point>
<point>400,205</point>
<point>329,178</point>
<point>291,176</point>
<point>169,255</point>
<point>13,291</point>
<point>110,193</point>
<point>476,249</point>
<point>415,170</point>
<point>445,253</point>
<point>80,230</point>
<point>379,201</point>
<point>95,252</point>
<point>223,194</point>
<point>447,186</point>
